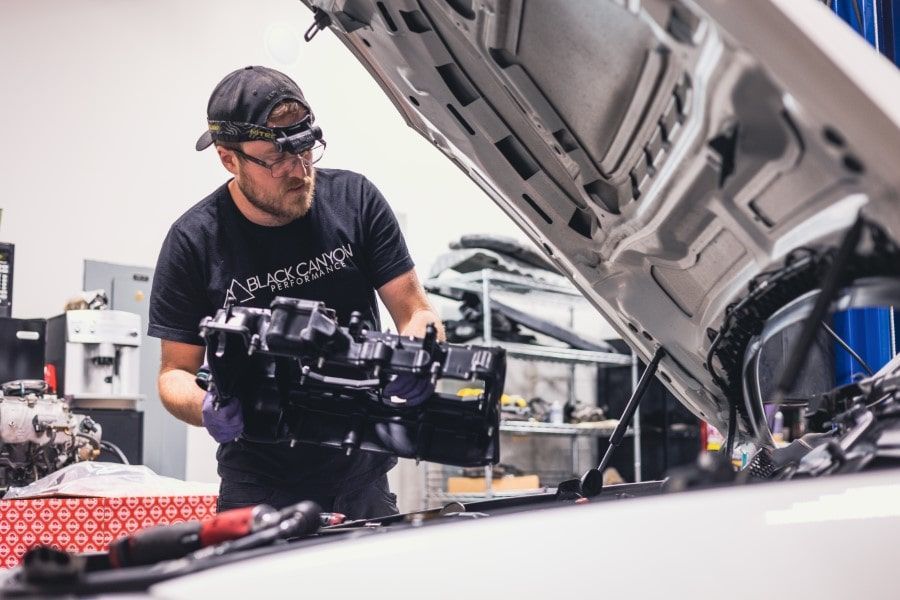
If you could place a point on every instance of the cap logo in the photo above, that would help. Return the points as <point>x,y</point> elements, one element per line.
<point>261,134</point>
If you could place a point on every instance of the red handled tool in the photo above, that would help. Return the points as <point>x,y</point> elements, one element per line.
<point>167,542</point>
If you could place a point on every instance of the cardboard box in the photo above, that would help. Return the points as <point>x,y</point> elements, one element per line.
<point>470,485</point>
<point>88,524</point>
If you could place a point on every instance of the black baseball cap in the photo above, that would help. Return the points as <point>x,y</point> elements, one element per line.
<point>240,105</point>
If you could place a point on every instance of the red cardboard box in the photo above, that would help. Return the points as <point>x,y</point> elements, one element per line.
<point>88,524</point>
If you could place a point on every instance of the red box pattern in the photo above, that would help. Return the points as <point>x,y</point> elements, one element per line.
<point>88,524</point>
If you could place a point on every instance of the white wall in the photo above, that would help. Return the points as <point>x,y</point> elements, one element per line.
<point>101,102</point>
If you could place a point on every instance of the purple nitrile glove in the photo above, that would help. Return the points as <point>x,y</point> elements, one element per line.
<point>224,424</point>
<point>414,390</point>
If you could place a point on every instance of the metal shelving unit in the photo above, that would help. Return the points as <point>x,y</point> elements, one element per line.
<point>601,430</point>
<point>564,355</point>
<point>535,427</point>
<point>482,283</point>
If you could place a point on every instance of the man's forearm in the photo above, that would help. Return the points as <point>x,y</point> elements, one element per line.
<point>181,396</point>
<point>420,320</point>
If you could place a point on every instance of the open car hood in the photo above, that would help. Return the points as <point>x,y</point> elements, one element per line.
<point>663,153</point>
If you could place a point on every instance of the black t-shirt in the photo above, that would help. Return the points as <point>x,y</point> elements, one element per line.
<point>345,247</point>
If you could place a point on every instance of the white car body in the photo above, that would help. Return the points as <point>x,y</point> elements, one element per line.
<point>833,537</point>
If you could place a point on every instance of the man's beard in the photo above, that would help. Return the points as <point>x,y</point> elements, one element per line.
<point>285,204</point>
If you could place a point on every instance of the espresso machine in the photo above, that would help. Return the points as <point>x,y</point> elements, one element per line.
<point>96,358</point>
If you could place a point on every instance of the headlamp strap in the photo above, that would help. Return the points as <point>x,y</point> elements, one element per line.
<point>234,131</point>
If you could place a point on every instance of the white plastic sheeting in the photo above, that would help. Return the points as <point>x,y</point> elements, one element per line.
<point>108,480</point>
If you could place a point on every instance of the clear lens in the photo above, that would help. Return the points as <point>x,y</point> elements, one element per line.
<point>317,151</point>
<point>284,166</point>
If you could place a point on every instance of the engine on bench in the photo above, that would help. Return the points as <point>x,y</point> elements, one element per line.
<point>38,433</point>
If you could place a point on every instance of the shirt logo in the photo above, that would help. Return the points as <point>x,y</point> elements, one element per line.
<point>244,290</point>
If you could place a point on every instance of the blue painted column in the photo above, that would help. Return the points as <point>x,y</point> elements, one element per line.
<point>860,15</point>
<point>867,330</point>
<point>889,16</point>
<point>876,20</point>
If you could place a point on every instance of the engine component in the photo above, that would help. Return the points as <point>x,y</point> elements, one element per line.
<point>863,429</point>
<point>301,378</point>
<point>38,433</point>
<point>872,291</point>
<point>770,292</point>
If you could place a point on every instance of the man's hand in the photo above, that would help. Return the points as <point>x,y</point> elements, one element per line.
<point>412,313</point>
<point>414,390</point>
<point>405,299</point>
<point>224,422</point>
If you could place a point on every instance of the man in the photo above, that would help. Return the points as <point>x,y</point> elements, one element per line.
<point>280,227</point>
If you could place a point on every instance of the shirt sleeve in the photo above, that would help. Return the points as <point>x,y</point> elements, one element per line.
<point>177,301</point>
<point>386,251</point>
